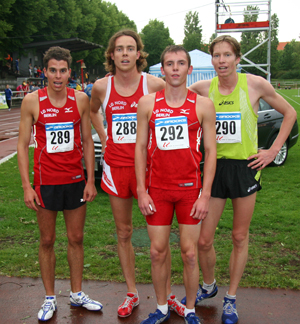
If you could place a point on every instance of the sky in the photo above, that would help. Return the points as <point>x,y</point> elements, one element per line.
<point>173,15</point>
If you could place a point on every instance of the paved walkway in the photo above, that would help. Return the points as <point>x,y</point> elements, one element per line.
<point>21,298</point>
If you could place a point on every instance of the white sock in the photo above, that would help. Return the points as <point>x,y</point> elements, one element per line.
<point>230,296</point>
<point>75,295</point>
<point>163,308</point>
<point>209,287</point>
<point>51,296</point>
<point>187,311</point>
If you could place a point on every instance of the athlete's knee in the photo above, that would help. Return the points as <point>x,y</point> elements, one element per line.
<point>124,234</point>
<point>76,238</point>
<point>205,244</point>
<point>189,257</point>
<point>47,241</point>
<point>158,254</point>
<point>240,239</point>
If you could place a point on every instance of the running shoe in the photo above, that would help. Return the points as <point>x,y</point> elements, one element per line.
<point>176,306</point>
<point>156,318</point>
<point>84,301</point>
<point>131,301</point>
<point>230,315</point>
<point>202,294</point>
<point>47,309</point>
<point>191,318</point>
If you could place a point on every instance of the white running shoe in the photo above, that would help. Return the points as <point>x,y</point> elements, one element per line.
<point>47,309</point>
<point>84,301</point>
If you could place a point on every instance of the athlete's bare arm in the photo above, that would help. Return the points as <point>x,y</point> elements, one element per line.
<point>207,118</point>
<point>82,100</point>
<point>144,111</point>
<point>201,87</point>
<point>97,98</point>
<point>155,84</point>
<point>29,115</point>
<point>260,88</point>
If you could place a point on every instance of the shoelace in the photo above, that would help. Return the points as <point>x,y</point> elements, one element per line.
<point>47,305</point>
<point>86,299</point>
<point>228,308</point>
<point>126,301</point>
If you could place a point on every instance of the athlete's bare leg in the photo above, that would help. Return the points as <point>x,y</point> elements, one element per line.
<point>75,219</point>
<point>207,255</point>
<point>47,220</point>
<point>160,262</point>
<point>168,262</point>
<point>189,237</point>
<point>243,209</point>
<point>122,212</point>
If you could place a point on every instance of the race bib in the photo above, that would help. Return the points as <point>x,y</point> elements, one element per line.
<point>60,137</point>
<point>172,133</point>
<point>228,127</point>
<point>124,128</point>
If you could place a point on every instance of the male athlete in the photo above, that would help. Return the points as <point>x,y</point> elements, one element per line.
<point>57,113</point>
<point>119,94</point>
<point>236,99</point>
<point>170,126</point>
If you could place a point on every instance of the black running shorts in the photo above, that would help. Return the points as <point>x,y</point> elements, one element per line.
<point>235,179</point>
<point>61,197</point>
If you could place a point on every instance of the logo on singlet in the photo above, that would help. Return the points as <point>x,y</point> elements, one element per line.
<point>184,111</point>
<point>69,110</point>
<point>134,105</point>
<point>226,103</point>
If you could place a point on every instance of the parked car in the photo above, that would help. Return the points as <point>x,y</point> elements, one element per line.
<point>269,122</point>
<point>268,125</point>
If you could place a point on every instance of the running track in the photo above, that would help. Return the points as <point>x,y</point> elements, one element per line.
<point>9,132</point>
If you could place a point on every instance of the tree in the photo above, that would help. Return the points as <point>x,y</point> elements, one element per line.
<point>192,32</point>
<point>156,38</point>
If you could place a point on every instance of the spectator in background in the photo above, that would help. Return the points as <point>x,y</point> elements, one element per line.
<point>35,71</point>
<point>39,71</point>
<point>88,88</point>
<point>17,66</point>
<point>8,96</point>
<point>42,76</point>
<point>25,88</point>
<point>87,76</point>
<point>19,88</point>
<point>30,70</point>
<point>78,86</point>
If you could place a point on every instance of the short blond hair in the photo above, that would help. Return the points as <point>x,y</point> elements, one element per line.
<point>228,39</point>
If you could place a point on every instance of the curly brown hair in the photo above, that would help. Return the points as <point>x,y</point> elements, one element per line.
<point>58,53</point>
<point>228,39</point>
<point>141,62</point>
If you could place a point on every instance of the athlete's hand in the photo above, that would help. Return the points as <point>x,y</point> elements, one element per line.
<point>200,208</point>
<point>261,159</point>
<point>146,204</point>
<point>30,198</point>
<point>90,192</point>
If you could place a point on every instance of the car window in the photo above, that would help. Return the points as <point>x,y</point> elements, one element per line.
<point>264,106</point>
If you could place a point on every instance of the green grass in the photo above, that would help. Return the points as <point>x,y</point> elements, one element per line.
<point>274,254</point>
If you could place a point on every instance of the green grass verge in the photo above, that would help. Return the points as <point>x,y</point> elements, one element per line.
<point>274,254</point>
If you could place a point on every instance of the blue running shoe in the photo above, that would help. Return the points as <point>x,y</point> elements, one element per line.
<point>230,315</point>
<point>47,309</point>
<point>156,318</point>
<point>86,302</point>
<point>202,294</point>
<point>191,318</point>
